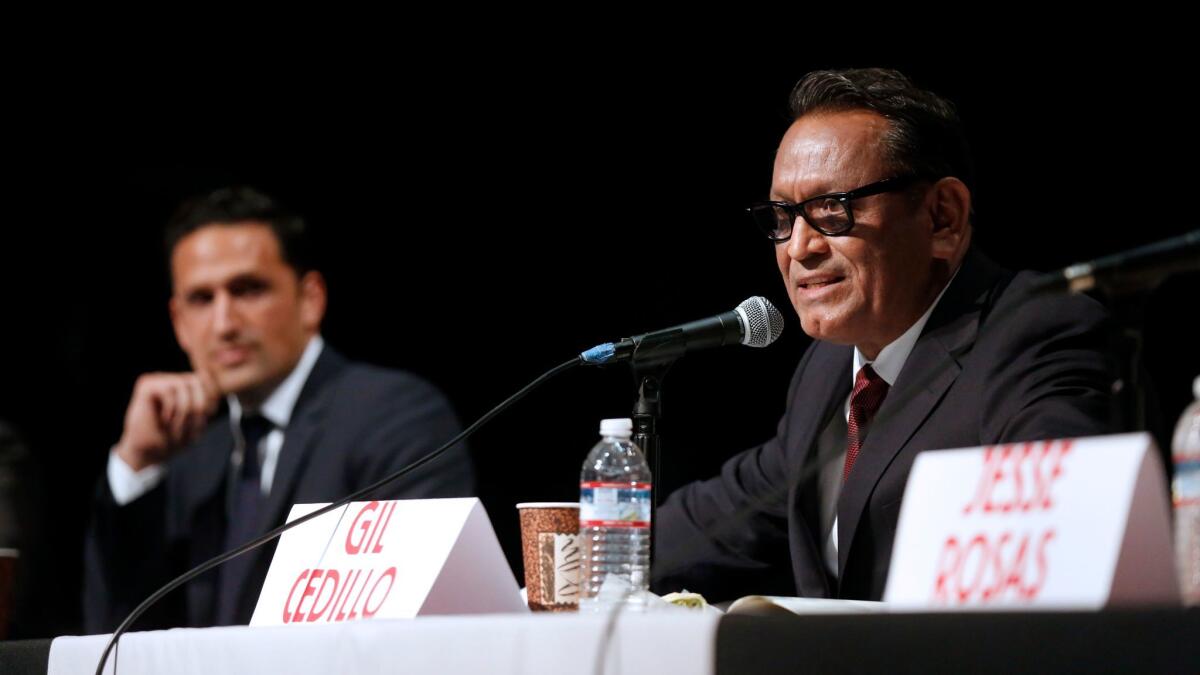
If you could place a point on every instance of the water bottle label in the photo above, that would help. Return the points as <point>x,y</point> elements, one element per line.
<point>603,504</point>
<point>1186,486</point>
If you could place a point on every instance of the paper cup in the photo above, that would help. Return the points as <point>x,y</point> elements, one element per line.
<point>551,550</point>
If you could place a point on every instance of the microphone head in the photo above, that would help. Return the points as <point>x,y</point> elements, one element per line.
<point>762,324</point>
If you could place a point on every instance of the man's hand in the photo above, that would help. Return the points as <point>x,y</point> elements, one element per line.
<point>166,411</point>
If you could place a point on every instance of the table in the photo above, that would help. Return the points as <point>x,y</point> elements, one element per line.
<point>1133,641</point>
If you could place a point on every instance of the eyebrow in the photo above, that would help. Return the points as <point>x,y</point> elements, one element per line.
<point>239,278</point>
<point>776,197</point>
<point>247,277</point>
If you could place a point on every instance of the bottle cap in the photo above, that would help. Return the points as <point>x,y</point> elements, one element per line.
<point>621,427</point>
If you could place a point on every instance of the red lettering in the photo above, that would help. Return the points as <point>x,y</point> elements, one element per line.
<point>383,526</point>
<point>340,603</point>
<point>1041,481</point>
<point>354,605</point>
<point>308,590</point>
<point>352,547</point>
<point>331,576</point>
<point>1016,570</point>
<point>1018,477</point>
<point>989,569</point>
<point>1019,462</point>
<point>947,566</point>
<point>987,479</point>
<point>980,544</point>
<point>1010,471</point>
<point>288,602</point>
<point>1047,470</point>
<point>996,589</point>
<point>390,574</point>
<point>1056,472</point>
<point>1031,591</point>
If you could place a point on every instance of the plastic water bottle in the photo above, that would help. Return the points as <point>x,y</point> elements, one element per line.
<point>614,521</point>
<point>1185,489</point>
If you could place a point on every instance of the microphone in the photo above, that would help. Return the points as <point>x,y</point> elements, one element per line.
<point>754,323</point>
<point>1142,268</point>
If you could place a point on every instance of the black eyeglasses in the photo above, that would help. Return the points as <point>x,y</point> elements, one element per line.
<point>830,214</point>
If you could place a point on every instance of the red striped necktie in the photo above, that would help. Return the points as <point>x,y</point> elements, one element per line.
<point>868,394</point>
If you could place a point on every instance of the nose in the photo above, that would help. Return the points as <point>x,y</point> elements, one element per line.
<point>805,241</point>
<point>226,320</point>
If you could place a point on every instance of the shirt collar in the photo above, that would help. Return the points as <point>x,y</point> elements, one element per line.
<point>281,403</point>
<point>892,357</point>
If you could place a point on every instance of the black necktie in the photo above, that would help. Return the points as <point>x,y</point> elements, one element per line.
<point>242,522</point>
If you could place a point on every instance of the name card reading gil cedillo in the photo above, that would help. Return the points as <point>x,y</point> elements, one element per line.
<point>387,559</point>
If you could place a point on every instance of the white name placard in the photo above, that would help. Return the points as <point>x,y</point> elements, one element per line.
<point>387,559</point>
<point>1076,523</point>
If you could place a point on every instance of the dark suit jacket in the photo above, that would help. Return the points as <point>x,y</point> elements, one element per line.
<point>352,425</point>
<point>991,365</point>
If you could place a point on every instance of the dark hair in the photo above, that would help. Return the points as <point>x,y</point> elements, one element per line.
<point>926,137</point>
<point>230,205</point>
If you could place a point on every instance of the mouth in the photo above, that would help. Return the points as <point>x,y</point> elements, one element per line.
<point>820,283</point>
<point>817,283</point>
<point>817,288</point>
<point>228,357</point>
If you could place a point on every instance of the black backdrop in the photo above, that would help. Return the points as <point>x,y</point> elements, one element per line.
<point>482,225</point>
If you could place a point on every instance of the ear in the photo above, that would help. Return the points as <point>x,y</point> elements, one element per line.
<point>950,212</point>
<point>312,300</point>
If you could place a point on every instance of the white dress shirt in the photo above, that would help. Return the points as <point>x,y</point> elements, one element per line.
<point>127,485</point>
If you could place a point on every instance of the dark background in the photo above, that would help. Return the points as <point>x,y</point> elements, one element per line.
<point>482,225</point>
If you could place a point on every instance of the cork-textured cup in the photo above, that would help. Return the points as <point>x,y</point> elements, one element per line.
<point>550,547</point>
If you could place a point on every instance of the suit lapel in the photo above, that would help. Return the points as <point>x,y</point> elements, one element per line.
<point>208,467</point>
<point>931,368</point>
<point>205,483</point>
<point>825,386</point>
<point>303,433</point>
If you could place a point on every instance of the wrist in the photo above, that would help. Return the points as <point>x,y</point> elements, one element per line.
<point>134,458</point>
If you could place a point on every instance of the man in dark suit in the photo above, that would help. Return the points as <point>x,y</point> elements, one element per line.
<point>921,343</point>
<point>302,424</point>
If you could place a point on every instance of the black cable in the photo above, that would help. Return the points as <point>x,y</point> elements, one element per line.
<point>355,496</point>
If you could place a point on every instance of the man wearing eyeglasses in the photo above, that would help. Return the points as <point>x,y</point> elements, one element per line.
<point>920,343</point>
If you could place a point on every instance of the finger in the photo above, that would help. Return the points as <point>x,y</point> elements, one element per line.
<point>158,390</point>
<point>209,390</point>
<point>203,406</point>
<point>183,409</point>
<point>197,398</point>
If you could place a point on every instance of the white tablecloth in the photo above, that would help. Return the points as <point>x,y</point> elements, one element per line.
<point>662,643</point>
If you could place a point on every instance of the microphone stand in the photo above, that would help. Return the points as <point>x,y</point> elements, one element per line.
<point>1129,400</point>
<point>646,413</point>
<point>1124,282</point>
<point>1135,403</point>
